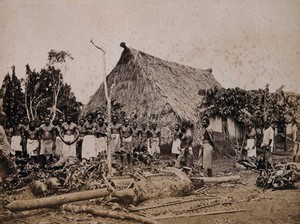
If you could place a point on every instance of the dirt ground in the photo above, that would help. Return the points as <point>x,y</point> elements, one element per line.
<point>261,206</point>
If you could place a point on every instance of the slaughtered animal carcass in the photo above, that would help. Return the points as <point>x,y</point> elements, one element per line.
<point>170,182</point>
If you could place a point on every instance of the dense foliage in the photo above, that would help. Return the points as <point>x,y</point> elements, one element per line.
<point>44,92</point>
<point>255,106</point>
<point>13,97</point>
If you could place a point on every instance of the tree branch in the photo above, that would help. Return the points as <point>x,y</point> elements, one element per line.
<point>101,49</point>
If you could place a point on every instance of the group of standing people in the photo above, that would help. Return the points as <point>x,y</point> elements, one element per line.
<point>84,140</point>
<point>267,145</point>
<point>88,139</point>
<point>182,147</point>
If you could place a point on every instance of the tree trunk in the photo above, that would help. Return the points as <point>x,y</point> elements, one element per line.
<point>108,99</point>
<point>55,101</point>
<point>49,202</point>
<point>200,214</point>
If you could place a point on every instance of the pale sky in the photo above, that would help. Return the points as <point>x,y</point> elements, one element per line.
<point>247,43</point>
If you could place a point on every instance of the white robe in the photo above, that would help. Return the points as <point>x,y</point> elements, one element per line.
<point>251,149</point>
<point>69,150</point>
<point>32,147</point>
<point>15,143</point>
<point>115,143</point>
<point>89,146</point>
<point>154,146</point>
<point>59,146</point>
<point>101,144</point>
<point>46,147</point>
<point>176,146</point>
<point>207,156</point>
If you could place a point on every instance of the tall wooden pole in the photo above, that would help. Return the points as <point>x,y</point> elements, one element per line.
<point>108,99</point>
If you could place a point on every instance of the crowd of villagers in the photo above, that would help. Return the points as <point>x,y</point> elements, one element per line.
<point>87,138</point>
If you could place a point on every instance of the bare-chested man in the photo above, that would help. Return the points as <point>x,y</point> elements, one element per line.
<point>32,140</point>
<point>69,135</point>
<point>126,136</point>
<point>80,138</point>
<point>48,139</point>
<point>89,149</point>
<point>154,142</point>
<point>116,132</point>
<point>101,132</point>
<point>177,134</point>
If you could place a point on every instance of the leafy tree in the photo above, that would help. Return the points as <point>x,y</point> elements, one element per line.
<point>255,106</point>
<point>46,92</point>
<point>13,100</point>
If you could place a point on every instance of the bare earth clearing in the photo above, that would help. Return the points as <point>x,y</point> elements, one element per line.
<point>261,206</point>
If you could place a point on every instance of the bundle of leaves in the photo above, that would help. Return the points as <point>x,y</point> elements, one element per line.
<point>72,174</point>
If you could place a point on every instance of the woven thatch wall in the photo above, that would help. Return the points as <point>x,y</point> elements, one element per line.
<point>155,89</point>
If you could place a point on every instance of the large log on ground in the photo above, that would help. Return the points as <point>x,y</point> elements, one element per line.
<point>109,214</point>
<point>218,179</point>
<point>53,201</point>
<point>170,182</point>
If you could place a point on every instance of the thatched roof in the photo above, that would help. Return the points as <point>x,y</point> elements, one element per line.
<point>151,87</point>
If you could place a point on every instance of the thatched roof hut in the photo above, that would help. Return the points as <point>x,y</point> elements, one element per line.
<point>155,89</point>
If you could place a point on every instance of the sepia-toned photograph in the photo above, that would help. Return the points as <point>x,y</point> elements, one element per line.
<point>149,111</point>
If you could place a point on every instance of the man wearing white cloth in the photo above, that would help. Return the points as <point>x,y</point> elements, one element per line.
<point>126,143</point>
<point>59,143</point>
<point>154,140</point>
<point>268,141</point>
<point>115,141</point>
<point>176,142</point>
<point>48,138</point>
<point>69,135</point>
<point>250,138</point>
<point>89,143</point>
<point>101,131</point>
<point>32,141</point>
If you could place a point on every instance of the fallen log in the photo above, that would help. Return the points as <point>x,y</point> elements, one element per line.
<point>53,201</point>
<point>199,214</point>
<point>171,182</point>
<point>218,179</point>
<point>109,214</point>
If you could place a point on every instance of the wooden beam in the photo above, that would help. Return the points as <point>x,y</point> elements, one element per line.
<point>199,214</point>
